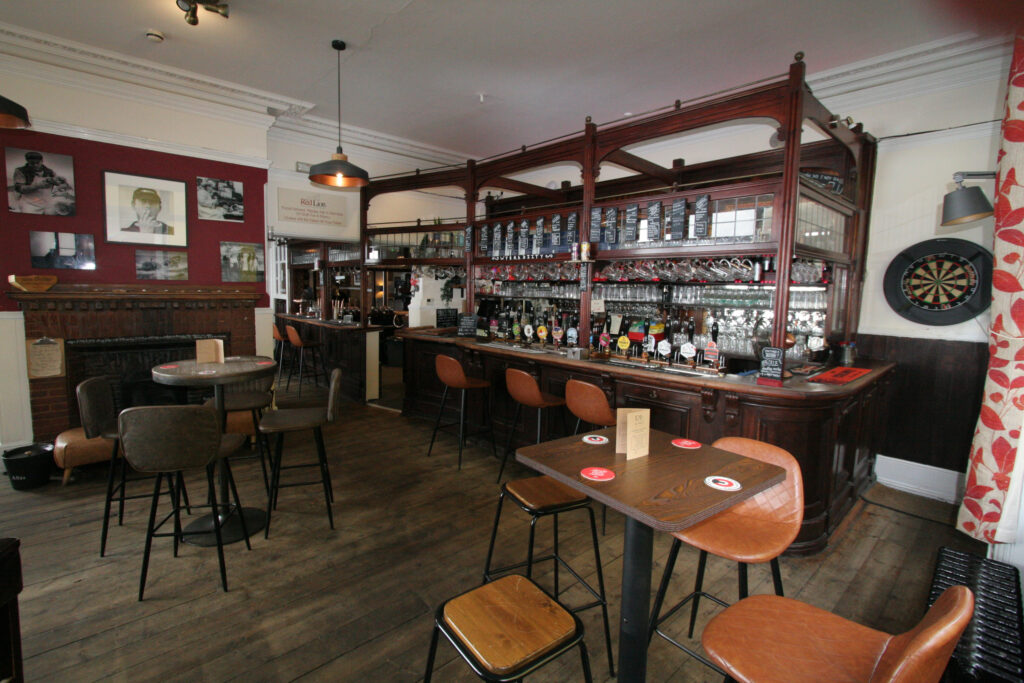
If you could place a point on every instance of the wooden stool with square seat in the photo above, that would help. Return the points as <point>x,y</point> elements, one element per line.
<point>451,374</point>
<point>771,638</point>
<point>757,530</point>
<point>315,358</point>
<point>525,391</point>
<point>507,629</point>
<point>545,497</point>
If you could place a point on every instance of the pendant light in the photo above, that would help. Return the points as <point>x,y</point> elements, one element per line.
<point>338,172</point>
<point>12,114</point>
<point>966,204</point>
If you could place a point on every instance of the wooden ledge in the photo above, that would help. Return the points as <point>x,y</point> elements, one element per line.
<point>135,292</point>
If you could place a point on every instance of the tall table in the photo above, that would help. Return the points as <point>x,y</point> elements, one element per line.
<point>665,491</point>
<point>192,374</point>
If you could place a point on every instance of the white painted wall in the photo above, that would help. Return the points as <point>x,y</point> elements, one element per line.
<point>15,410</point>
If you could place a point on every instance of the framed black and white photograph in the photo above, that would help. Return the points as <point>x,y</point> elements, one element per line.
<point>156,264</point>
<point>41,183</point>
<point>62,250</point>
<point>220,200</point>
<point>241,262</point>
<point>143,210</point>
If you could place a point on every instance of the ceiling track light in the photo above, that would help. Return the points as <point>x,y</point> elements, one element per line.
<point>191,9</point>
<point>338,172</point>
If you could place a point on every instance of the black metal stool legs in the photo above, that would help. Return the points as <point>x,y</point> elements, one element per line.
<point>437,423</point>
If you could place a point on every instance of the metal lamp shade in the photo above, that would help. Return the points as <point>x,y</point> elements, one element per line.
<point>12,114</point>
<point>338,172</point>
<point>965,204</point>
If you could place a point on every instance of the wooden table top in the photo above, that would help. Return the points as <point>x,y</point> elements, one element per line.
<point>233,369</point>
<point>664,490</point>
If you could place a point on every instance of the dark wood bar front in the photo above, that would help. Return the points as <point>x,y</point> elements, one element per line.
<point>832,430</point>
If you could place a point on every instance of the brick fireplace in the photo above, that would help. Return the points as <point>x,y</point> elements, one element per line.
<point>127,315</point>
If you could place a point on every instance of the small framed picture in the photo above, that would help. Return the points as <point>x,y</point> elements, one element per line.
<point>155,264</point>
<point>144,210</point>
<point>62,250</point>
<point>220,200</point>
<point>242,262</point>
<point>40,183</point>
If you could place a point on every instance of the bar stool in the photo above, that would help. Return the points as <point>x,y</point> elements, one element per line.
<point>450,372</point>
<point>589,404</point>
<point>301,344</point>
<point>281,349</point>
<point>525,391</point>
<point>244,403</point>
<point>285,420</point>
<point>757,530</point>
<point>166,441</point>
<point>542,497</point>
<point>507,629</point>
<point>767,637</point>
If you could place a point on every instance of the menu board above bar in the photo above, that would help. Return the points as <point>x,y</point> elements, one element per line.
<point>556,231</point>
<point>595,225</point>
<point>571,228</point>
<point>653,220</point>
<point>632,220</point>
<point>469,239</point>
<point>485,233</point>
<point>538,241</point>
<point>611,231</point>
<point>510,238</point>
<point>702,216</point>
<point>679,219</point>
<point>524,237</point>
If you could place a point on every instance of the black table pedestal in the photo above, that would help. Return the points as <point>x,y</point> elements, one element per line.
<point>231,527</point>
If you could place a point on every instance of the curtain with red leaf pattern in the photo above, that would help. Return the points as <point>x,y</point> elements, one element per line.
<point>991,502</point>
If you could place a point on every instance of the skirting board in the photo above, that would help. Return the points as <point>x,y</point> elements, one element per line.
<point>923,480</point>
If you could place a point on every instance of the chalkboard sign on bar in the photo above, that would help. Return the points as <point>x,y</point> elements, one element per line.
<point>611,227</point>
<point>654,220</point>
<point>771,366</point>
<point>571,232</point>
<point>556,232</point>
<point>632,220</point>
<point>595,225</point>
<point>447,317</point>
<point>702,216</point>
<point>679,219</point>
<point>467,325</point>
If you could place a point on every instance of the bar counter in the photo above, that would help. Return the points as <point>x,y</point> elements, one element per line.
<point>831,429</point>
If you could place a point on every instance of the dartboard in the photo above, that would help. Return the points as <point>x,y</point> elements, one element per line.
<point>940,282</point>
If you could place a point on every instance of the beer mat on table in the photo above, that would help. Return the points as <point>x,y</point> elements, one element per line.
<point>806,369</point>
<point>840,375</point>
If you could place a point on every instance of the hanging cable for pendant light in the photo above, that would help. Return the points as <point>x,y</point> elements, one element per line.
<point>338,172</point>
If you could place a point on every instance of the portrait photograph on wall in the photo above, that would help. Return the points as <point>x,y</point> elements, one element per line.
<point>220,200</point>
<point>143,210</point>
<point>62,250</point>
<point>242,262</point>
<point>40,183</point>
<point>156,264</point>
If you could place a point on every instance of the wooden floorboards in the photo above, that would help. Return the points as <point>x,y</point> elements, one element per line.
<point>356,603</point>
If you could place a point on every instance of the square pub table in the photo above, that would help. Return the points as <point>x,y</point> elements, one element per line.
<point>669,489</point>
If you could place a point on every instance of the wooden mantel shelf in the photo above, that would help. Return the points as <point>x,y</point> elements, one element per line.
<point>113,294</point>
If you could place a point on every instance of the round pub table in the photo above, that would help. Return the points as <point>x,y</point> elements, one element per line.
<point>192,374</point>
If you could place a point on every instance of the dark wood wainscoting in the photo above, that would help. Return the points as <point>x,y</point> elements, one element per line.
<point>934,400</point>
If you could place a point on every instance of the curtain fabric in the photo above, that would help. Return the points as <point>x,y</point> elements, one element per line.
<point>991,502</point>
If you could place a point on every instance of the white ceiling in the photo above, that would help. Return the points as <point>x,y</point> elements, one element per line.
<point>417,68</point>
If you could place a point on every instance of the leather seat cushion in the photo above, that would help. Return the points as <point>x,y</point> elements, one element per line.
<point>71,449</point>
<point>543,493</point>
<point>292,420</point>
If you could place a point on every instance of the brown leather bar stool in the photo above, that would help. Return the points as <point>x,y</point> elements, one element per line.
<point>525,391</point>
<point>507,629</point>
<point>757,530</point>
<point>316,359</point>
<point>166,441</point>
<point>544,497</point>
<point>296,419</point>
<point>770,638</point>
<point>589,404</point>
<point>281,349</point>
<point>451,374</point>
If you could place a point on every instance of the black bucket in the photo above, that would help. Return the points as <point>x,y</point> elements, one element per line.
<point>29,466</point>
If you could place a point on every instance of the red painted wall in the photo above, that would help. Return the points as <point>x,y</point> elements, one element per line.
<point>115,262</point>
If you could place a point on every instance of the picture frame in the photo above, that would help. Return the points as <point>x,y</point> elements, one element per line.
<point>41,183</point>
<point>242,262</point>
<point>157,264</point>
<point>220,200</point>
<point>145,210</point>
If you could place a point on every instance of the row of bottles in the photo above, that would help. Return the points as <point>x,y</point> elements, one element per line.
<point>527,324</point>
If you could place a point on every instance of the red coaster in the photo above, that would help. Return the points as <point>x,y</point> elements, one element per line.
<point>595,439</point>
<point>265,362</point>
<point>167,367</point>
<point>686,443</point>
<point>597,474</point>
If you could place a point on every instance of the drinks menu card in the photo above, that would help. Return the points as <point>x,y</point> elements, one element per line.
<point>632,432</point>
<point>209,350</point>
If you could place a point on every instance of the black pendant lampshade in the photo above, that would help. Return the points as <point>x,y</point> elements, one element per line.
<point>966,204</point>
<point>12,114</point>
<point>338,171</point>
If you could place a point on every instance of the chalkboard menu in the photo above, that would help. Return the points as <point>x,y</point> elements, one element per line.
<point>497,246</point>
<point>570,229</point>
<point>595,224</point>
<point>630,222</point>
<point>485,234</point>
<point>679,219</point>
<point>510,238</point>
<point>653,220</point>
<point>702,216</point>
<point>469,238</point>
<point>524,237</point>
<point>467,325</point>
<point>771,364</point>
<point>611,226</point>
<point>543,238</point>
<point>556,231</point>
<point>447,317</point>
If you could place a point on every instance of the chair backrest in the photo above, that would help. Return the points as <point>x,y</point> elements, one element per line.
<point>293,335</point>
<point>250,385</point>
<point>783,502</point>
<point>169,438</point>
<point>96,406</point>
<point>449,371</point>
<point>523,387</point>
<point>277,332</point>
<point>921,654</point>
<point>588,402</point>
<point>334,396</point>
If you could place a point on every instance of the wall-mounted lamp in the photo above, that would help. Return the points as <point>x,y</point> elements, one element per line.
<point>966,204</point>
<point>12,114</point>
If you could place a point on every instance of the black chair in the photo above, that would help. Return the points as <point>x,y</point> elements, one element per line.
<point>296,419</point>
<point>166,441</point>
<point>244,403</point>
